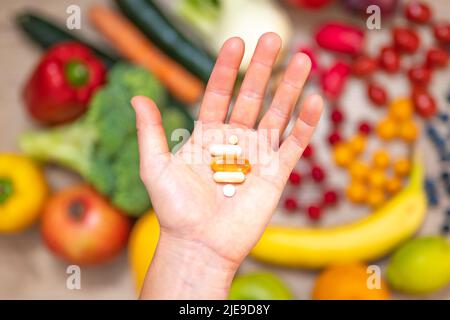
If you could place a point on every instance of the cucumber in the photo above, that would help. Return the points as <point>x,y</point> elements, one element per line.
<point>146,15</point>
<point>46,34</point>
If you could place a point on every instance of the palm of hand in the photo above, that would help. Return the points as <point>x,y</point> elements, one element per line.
<point>189,204</point>
<point>193,206</point>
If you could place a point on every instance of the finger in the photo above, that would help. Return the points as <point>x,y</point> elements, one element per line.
<point>153,149</point>
<point>286,96</point>
<point>292,148</point>
<point>251,94</point>
<point>219,90</point>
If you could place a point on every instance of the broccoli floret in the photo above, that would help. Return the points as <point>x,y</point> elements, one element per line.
<point>101,174</point>
<point>128,193</point>
<point>102,146</point>
<point>175,119</point>
<point>71,145</point>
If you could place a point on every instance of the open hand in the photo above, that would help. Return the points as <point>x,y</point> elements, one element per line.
<point>205,235</point>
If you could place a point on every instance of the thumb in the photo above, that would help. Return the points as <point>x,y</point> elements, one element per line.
<point>153,148</point>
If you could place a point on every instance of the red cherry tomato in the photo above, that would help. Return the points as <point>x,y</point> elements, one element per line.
<point>418,12</point>
<point>334,79</point>
<point>389,60</point>
<point>310,52</point>
<point>423,103</point>
<point>420,75</point>
<point>437,57</point>
<point>377,94</point>
<point>364,65</point>
<point>406,39</point>
<point>442,32</point>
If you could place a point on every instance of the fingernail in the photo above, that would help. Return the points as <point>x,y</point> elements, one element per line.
<point>136,101</point>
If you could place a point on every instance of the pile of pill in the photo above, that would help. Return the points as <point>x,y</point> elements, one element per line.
<point>228,165</point>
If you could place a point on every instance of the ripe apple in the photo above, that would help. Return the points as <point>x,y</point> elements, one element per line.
<point>81,227</point>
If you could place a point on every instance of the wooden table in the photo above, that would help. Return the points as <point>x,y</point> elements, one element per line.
<point>29,271</point>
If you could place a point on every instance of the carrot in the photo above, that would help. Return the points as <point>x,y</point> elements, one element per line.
<point>133,45</point>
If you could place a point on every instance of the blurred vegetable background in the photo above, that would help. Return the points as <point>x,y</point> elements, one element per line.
<point>70,191</point>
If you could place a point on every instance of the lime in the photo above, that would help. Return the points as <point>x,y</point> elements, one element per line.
<point>259,286</point>
<point>421,265</point>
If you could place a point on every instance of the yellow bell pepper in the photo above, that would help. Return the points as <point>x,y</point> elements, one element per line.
<point>142,246</point>
<point>23,190</point>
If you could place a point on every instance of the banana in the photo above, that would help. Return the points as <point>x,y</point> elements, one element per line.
<point>363,240</point>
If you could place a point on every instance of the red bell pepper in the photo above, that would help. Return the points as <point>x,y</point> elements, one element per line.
<point>63,82</point>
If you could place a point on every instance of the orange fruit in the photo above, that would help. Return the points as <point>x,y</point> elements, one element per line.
<point>351,281</point>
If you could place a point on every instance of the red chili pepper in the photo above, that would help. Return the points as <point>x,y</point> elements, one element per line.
<point>63,82</point>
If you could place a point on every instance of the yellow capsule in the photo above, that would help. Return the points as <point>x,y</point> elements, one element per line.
<point>393,184</point>
<point>402,167</point>
<point>401,109</point>
<point>356,192</point>
<point>409,131</point>
<point>375,197</point>
<point>359,170</point>
<point>387,129</point>
<point>231,164</point>
<point>381,159</point>
<point>343,154</point>
<point>377,178</point>
<point>358,143</point>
